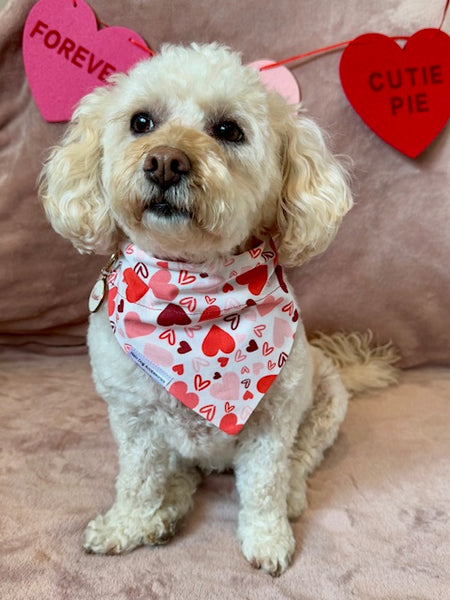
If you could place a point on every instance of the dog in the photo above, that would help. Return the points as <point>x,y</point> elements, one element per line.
<point>193,169</point>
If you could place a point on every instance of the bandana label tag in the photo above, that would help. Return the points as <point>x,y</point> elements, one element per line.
<point>150,368</point>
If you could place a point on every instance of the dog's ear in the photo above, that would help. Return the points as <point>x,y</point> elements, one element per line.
<point>315,194</point>
<point>71,185</point>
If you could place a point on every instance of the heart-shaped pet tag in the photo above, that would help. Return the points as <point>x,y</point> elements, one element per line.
<point>66,56</point>
<point>402,94</point>
<point>279,79</point>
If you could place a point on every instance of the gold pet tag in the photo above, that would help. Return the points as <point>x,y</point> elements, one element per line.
<point>100,289</point>
<point>97,295</point>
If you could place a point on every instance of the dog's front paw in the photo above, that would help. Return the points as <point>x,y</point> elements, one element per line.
<point>268,548</point>
<point>108,535</point>
<point>115,533</point>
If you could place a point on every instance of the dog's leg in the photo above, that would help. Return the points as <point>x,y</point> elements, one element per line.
<point>153,493</point>
<point>262,478</point>
<point>317,431</point>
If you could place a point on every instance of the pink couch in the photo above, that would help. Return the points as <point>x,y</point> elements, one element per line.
<point>377,523</point>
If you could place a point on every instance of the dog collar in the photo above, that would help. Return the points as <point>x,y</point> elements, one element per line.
<point>215,336</point>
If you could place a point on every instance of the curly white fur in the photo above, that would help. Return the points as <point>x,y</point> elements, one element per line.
<point>280,180</point>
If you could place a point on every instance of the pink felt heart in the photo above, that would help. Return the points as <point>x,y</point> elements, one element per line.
<point>278,79</point>
<point>66,56</point>
<point>401,94</point>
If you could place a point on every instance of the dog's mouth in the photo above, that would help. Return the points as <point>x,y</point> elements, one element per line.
<point>162,207</point>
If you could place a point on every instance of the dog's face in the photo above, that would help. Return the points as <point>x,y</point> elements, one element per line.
<point>190,157</point>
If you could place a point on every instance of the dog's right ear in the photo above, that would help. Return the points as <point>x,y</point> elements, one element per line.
<point>71,184</point>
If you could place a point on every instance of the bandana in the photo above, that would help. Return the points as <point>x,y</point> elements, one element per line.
<point>215,336</point>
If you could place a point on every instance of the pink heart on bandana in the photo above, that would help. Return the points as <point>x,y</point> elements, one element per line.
<point>134,327</point>
<point>227,388</point>
<point>160,286</point>
<point>158,355</point>
<point>268,305</point>
<point>281,330</point>
<point>66,56</point>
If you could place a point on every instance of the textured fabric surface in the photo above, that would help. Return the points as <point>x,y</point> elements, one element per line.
<point>376,528</point>
<point>388,268</point>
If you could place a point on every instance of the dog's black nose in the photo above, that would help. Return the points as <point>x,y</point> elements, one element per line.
<point>165,165</point>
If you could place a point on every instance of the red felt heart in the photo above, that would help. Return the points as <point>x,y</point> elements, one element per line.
<point>401,94</point>
<point>66,56</point>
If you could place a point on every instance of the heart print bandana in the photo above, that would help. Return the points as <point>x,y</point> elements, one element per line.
<point>215,336</point>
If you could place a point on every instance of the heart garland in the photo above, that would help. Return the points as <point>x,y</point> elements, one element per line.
<point>66,56</point>
<point>401,94</point>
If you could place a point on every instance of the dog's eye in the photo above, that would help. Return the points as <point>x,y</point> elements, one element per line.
<point>141,123</point>
<point>228,131</point>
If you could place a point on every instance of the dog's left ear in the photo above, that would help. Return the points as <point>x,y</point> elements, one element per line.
<point>315,194</point>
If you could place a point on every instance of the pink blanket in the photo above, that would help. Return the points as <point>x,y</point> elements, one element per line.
<point>376,528</point>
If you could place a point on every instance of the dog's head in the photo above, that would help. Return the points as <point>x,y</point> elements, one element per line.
<point>190,157</point>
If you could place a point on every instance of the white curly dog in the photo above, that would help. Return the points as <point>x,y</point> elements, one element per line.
<point>189,158</point>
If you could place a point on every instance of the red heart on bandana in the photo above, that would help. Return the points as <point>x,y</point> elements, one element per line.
<point>209,410</point>
<point>265,382</point>
<point>111,300</point>
<point>401,94</point>
<point>173,315</point>
<point>229,424</point>
<point>217,340</point>
<point>183,348</point>
<point>210,313</point>
<point>200,383</point>
<point>179,390</point>
<point>136,288</point>
<point>66,56</point>
<point>255,279</point>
